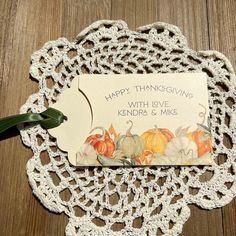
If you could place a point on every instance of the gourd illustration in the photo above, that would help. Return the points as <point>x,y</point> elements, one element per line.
<point>102,143</point>
<point>130,144</point>
<point>155,140</point>
<point>203,141</point>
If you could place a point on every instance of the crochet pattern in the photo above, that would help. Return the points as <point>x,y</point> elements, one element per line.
<point>129,201</point>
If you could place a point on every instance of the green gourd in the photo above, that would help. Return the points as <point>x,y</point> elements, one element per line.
<point>130,144</point>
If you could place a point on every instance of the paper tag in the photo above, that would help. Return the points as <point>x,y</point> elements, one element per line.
<point>136,119</point>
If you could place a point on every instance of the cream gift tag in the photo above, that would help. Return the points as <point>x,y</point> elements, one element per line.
<point>136,119</point>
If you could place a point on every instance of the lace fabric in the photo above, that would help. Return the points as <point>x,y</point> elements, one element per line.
<point>110,201</point>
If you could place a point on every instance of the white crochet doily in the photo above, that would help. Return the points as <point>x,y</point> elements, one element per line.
<point>129,201</point>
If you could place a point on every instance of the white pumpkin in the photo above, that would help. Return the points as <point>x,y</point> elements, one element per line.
<point>181,147</point>
<point>181,151</point>
<point>86,156</point>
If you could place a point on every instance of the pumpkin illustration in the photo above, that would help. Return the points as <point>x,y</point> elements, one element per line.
<point>130,144</point>
<point>181,148</point>
<point>155,140</point>
<point>202,140</point>
<point>143,159</point>
<point>102,143</point>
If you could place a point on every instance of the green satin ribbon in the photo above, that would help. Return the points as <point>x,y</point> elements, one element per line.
<point>48,119</point>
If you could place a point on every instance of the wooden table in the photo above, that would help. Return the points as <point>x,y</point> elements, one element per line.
<point>27,24</point>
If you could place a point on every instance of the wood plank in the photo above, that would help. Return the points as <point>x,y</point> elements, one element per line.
<point>222,30</point>
<point>80,14</point>
<point>191,18</point>
<point>146,12</point>
<point>222,27</point>
<point>21,213</point>
<point>124,10</point>
<point>26,26</point>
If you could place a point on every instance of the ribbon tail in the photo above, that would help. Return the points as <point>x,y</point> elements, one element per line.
<point>48,119</point>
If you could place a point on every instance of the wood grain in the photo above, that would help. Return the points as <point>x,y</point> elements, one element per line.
<point>27,24</point>
<point>222,31</point>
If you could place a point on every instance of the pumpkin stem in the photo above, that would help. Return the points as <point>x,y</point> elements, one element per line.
<point>156,127</point>
<point>202,114</point>
<point>102,129</point>
<point>128,133</point>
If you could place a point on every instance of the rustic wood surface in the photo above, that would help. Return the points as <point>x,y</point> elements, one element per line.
<point>27,24</point>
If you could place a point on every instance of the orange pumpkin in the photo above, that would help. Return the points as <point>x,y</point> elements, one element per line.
<point>203,146</point>
<point>143,158</point>
<point>102,143</point>
<point>155,140</point>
